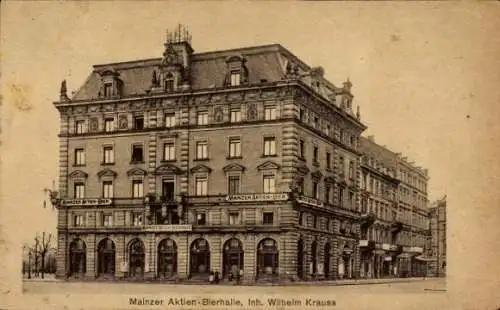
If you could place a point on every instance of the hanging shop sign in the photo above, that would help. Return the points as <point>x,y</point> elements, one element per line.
<point>86,202</point>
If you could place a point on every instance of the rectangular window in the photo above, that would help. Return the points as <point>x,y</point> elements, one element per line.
<point>269,146</point>
<point>78,220</point>
<point>268,218</point>
<point>136,219</point>
<point>201,218</point>
<point>80,127</point>
<point>315,222</point>
<point>269,183</point>
<point>328,160</point>
<point>201,185</point>
<point>168,189</point>
<point>79,190</point>
<point>234,218</point>
<point>109,125</point>
<point>170,120</point>
<point>301,114</point>
<point>169,84</point>
<point>137,189</point>
<point>79,157</point>
<point>235,78</point>
<point>351,199</point>
<point>269,113</point>
<point>169,151</point>
<point>138,122</point>
<point>201,150</point>
<point>233,185</point>
<point>107,189</point>
<point>327,193</point>
<point>316,123</point>
<point>107,220</point>
<point>351,170</point>
<point>108,155</point>
<point>301,219</point>
<point>235,116</point>
<point>315,189</point>
<point>315,155</point>
<point>341,196</point>
<point>137,154</point>
<point>234,147</point>
<point>108,88</point>
<point>202,118</point>
<point>301,149</point>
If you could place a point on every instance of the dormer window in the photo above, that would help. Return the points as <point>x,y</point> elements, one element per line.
<point>237,72</point>
<point>108,89</point>
<point>169,83</point>
<point>235,78</point>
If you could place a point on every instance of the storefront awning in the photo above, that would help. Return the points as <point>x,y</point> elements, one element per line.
<point>425,258</point>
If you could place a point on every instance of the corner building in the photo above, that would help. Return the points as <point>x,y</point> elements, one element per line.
<point>232,160</point>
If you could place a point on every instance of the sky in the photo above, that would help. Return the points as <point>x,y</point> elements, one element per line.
<point>423,75</point>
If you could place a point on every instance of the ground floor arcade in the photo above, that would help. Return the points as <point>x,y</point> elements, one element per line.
<point>257,257</point>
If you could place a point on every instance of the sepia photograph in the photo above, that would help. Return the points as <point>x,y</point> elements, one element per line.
<point>250,155</point>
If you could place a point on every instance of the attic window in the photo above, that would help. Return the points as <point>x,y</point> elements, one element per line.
<point>235,78</point>
<point>108,89</point>
<point>169,83</point>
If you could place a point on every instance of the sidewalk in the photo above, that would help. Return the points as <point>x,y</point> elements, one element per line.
<point>51,278</point>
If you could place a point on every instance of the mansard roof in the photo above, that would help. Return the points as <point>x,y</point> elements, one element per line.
<point>208,70</point>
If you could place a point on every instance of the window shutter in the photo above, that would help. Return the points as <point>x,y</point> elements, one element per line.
<point>87,219</point>
<point>191,219</point>
<point>115,218</point>
<point>127,217</point>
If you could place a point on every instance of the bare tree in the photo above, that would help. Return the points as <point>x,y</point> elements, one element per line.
<point>41,248</point>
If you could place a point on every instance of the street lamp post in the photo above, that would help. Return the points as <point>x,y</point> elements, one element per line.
<point>29,263</point>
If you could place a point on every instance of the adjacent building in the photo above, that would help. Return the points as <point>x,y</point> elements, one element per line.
<point>394,226</point>
<point>437,218</point>
<point>243,161</point>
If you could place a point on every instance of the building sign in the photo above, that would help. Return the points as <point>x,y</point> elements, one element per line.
<point>393,247</point>
<point>310,201</point>
<point>416,249</point>
<point>169,228</point>
<point>86,202</point>
<point>363,242</point>
<point>257,197</point>
<point>386,246</point>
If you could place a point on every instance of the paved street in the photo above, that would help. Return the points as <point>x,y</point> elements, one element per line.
<point>54,287</point>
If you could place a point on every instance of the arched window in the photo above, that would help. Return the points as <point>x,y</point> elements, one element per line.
<point>136,259</point>
<point>77,258</point>
<point>106,257</point>
<point>267,258</point>
<point>167,258</point>
<point>233,257</point>
<point>300,259</point>
<point>199,258</point>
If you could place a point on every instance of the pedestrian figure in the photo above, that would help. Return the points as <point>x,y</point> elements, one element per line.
<point>240,275</point>
<point>230,276</point>
<point>211,277</point>
<point>216,277</point>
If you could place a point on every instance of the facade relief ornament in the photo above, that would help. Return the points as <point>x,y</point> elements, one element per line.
<point>218,114</point>
<point>94,124</point>
<point>252,112</point>
<point>123,122</point>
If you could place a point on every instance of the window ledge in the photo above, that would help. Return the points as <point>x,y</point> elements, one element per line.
<point>201,159</point>
<point>107,164</point>
<point>302,158</point>
<point>169,160</point>
<point>271,155</point>
<point>316,163</point>
<point>79,165</point>
<point>234,157</point>
<point>135,162</point>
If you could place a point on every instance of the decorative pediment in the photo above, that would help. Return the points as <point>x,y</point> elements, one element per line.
<point>303,169</point>
<point>106,173</point>
<point>136,172</point>
<point>317,175</point>
<point>234,167</point>
<point>201,168</point>
<point>78,174</point>
<point>268,165</point>
<point>167,169</point>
